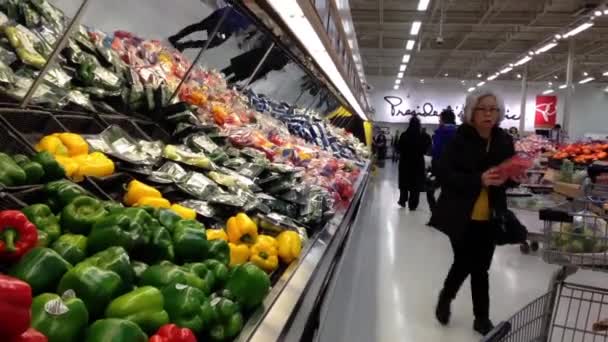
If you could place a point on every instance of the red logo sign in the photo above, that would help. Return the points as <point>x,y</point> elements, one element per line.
<point>546,111</point>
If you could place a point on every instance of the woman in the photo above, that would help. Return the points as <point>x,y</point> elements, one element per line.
<point>412,146</point>
<point>471,191</point>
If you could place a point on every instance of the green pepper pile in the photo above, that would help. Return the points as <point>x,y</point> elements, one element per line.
<point>103,271</point>
<point>19,169</point>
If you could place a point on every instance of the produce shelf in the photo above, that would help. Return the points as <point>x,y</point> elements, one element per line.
<point>30,125</point>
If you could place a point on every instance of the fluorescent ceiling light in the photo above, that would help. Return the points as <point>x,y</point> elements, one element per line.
<point>605,74</point>
<point>492,78</point>
<point>397,81</point>
<point>563,86</point>
<point>481,83</point>
<point>598,13</point>
<point>518,75</point>
<point>471,89</point>
<point>446,74</point>
<point>292,15</point>
<point>422,80</point>
<point>546,48</point>
<point>406,58</point>
<point>506,70</point>
<point>410,44</point>
<point>606,11</point>
<point>585,73</point>
<point>402,67</point>
<point>415,28</point>
<point>606,90</point>
<point>396,87</point>
<point>523,61</point>
<point>400,75</point>
<point>479,75</point>
<point>586,80</point>
<point>423,5</point>
<point>578,29</point>
<point>548,91</point>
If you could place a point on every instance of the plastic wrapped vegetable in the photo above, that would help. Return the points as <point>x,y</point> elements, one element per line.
<point>24,47</point>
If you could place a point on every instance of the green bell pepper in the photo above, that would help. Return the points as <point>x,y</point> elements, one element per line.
<point>227,320</point>
<point>62,192</point>
<point>138,268</point>
<point>71,247</point>
<point>52,169</point>
<point>168,218</point>
<point>81,214</point>
<point>117,260</point>
<point>165,274</point>
<point>204,273</point>
<point>34,172</point>
<point>43,239</point>
<point>115,330</point>
<point>112,206</point>
<point>44,219</point>
<point>160,246</point>
<point>220,251</point>
<point>86,71</point>
<point>220,272</point>
<point>185,305</point>
<point>249,284</point>
<point>143,306</point>
<point>41,268</point>
<point>190,241</point>
<point>125,228</point>
<point>10,173</point>
<point>60,319</point>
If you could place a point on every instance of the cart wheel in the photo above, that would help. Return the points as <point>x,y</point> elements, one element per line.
<point>524,248</point>
<point>534,245</point>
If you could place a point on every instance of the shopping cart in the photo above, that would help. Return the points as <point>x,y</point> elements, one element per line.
<point>575,236</point>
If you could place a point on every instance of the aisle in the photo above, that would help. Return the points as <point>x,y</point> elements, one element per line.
<point>395,265</point>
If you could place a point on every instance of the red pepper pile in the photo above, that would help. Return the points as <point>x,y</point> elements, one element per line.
<point>173,333</point>
<point>16,302</point>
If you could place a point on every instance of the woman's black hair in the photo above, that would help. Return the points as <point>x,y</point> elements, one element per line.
<point>415,125</point>
<point>447,116</point>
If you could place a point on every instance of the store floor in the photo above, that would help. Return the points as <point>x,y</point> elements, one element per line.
<point>394,266</point>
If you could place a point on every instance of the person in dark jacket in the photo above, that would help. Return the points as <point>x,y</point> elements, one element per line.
<point>442,137</point>
<point>412,146</point>
<point>471,191</point>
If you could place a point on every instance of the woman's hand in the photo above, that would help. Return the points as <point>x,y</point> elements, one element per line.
<point>492,178</point>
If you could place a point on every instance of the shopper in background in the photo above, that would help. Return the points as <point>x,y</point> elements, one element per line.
<point>395,146</point>
<point>471,190</point>
<point>442,137</point>
<point>412,146</point>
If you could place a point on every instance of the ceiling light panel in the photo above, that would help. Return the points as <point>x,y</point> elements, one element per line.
<point>423,5</point>
<point>548,91</point>
<point>578,30</point>
<point>586,80</point>
<point>563,86</point>
<point>481,83</point>
<point>506,70</point>
<point>397,81</point>
<point>545,48</point>
<point>471,89</point>
<point>402,67</point>
<point>415,28</point>
<point>523,61</point>
<point>410,44</point>
<point>492,78</point>
<point>406,58</point>
<point>400,75</point>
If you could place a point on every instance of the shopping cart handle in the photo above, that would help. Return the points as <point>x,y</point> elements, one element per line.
<point>498,333</point>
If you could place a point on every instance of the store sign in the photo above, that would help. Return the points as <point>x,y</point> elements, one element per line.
<point>546,111</point>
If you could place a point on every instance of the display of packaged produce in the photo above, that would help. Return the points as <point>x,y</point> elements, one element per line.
<point>582,152</point>
<point>534,145</point>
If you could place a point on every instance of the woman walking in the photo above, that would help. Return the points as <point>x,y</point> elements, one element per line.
<point>471,191</point>
<point>412,147</point>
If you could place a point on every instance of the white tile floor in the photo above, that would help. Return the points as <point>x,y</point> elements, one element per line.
<point>394,266</point>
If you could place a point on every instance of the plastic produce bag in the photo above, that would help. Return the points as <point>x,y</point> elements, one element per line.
<point>201,207</point>
<point>116,142</point>
<point>171,172</point>
<point>21,40</point>
<point>7,77</point>
<point>52,16</point>
<point>199,186</point>
<point>184,155</point>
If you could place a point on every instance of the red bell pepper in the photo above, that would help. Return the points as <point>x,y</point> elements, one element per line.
<point>17,235</point>
<point>173,333</point>
<point>30,335</point>
<point>15,303</point>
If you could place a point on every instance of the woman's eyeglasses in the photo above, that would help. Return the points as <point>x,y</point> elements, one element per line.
<point>492,110</point>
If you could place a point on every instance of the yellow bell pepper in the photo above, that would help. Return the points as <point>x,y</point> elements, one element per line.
<point>75,143</point>
<point>95,164</point>
<point>155,202</point>
<point>268,239</point>
<point>185,213</point>
<point>53,145</point>
<point>265,255</point>
<point>69,164</point>
<point>290,246</point>
<point>137,190</point>
<point>239,254</point>
<point>241,228</point>
<point>216,234</point>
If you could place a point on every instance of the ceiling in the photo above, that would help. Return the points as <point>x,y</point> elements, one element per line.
<point>480,36</point>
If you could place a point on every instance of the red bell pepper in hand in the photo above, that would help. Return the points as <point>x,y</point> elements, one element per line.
<point>173,333</point>
<point>30,335</point>
<point>15,303</point>
<point>17,234</point>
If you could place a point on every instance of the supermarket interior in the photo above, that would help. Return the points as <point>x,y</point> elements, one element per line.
<point>303,170</point>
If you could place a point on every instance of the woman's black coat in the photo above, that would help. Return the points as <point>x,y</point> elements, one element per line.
<point>461,165</point>
<point>412,147</point>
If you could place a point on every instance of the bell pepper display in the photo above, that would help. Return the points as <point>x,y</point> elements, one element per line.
<point>44,220</point>
<point>155,202</point>
<point>166,217</point>
<point>41,268</point>
<point>43,239</point>
<point>139,268</point>
<point>62,192</point>
<point>114,259</point>
<point>242,229</point>
<point>115,330</point>
<point>226,321</point>
<point>69,165</point>
<point>165,274</point>
<point>34,172</point>
<point>183,212</point>
<point>10,173</point>
<point>143,306</point>
<point>137,190</point>
<point>173,333</point>
<point>267,238</point>
<point>79,216</point>
<point>17,235</point>
<point>53,145</point>
<point>190,241</point>
<point>60,319</point>
<point>15,302</point>
<point>185,305</point>
<point>71,247</point>
<point>216,234</point>
<point>30,335</point>
<point>220,272</point>
<point>74,143</point>
<point>239,254</point>
<point>52,169</point>
<point>204,273</point>
<point>249,285</point>
<point>125,228</point>
<point>290,245</point>
<point>264,254</point>
<point>95,164</point>
<point>219,250</point>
